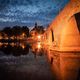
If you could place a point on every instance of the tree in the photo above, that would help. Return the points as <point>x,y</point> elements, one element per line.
<point>25,30</point>
<point>16,31</point>
<point>8,31</point>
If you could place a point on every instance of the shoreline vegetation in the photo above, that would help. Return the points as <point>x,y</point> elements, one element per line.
<point>21,34</point>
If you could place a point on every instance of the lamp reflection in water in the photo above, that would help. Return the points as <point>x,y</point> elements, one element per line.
<point>22,45</point>
<point>39,45</point>
<point>37,49</point>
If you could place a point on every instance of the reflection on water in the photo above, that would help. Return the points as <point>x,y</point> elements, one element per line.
<point>28,62</point>
<point>37,49</point>
<point>15,49</point>
<point>65,65</point>
<point>23,62</point>
<point>18,49</point>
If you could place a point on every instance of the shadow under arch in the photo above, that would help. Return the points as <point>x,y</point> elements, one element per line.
<point>77,17</point>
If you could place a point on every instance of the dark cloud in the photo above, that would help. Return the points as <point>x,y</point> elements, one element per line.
<point>29,11</point>
<point>3,4</point>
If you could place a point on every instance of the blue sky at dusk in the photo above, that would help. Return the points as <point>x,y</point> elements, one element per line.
<point>27,12</point>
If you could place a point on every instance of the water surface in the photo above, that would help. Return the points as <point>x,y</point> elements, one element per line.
<point>22,61</point>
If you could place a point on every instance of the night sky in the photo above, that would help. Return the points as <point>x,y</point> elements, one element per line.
<point>27,12</point>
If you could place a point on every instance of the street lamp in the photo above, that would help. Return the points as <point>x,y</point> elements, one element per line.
<point>39,37</point>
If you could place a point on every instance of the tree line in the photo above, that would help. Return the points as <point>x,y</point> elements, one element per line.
<point>17,31</point>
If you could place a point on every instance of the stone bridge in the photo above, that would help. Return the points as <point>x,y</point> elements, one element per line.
<point>63,32</point>
<point>62,39</point>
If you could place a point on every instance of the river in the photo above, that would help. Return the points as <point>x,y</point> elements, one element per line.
<point>22,61</point>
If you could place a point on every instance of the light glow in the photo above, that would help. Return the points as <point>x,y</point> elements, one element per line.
<point>39,45</point>
<point>39,37</point>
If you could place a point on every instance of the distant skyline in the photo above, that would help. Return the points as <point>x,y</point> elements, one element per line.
<point>27,12</point>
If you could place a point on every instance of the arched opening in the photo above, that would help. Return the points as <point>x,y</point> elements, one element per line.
<point>77,17</point>
<point>52,35</point>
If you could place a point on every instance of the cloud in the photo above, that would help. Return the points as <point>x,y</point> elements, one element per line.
<point>29,11</point>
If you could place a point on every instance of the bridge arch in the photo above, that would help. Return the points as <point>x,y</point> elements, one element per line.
<point>65,29</point>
